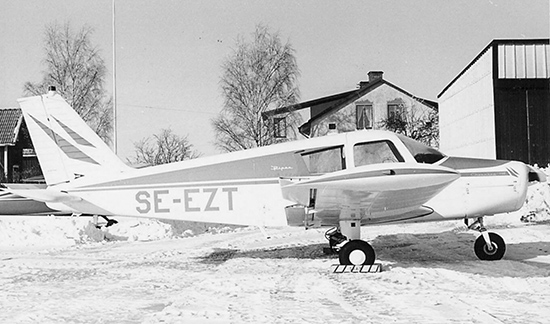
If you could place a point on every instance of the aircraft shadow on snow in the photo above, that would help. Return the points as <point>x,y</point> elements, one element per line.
<point>447,250</point>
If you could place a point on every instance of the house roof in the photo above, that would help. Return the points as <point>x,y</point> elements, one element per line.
<point>335,102</point>
<point>10,122</point>
<point>494,42</point>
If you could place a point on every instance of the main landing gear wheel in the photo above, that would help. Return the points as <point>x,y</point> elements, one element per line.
<point>491,253</point>
<point>357,252</point>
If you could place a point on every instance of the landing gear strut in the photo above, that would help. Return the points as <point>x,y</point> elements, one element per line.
<point>488,246</point>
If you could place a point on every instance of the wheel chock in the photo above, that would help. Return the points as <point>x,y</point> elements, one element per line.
<point>364,268</point>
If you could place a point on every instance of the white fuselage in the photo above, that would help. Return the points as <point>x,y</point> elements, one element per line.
<point>249,187</point>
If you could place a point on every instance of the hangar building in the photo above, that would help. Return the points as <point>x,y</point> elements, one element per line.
<point>498,106</point>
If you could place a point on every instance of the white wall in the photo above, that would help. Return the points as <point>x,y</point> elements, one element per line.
<point>466,112</point>
<point>346,119</point>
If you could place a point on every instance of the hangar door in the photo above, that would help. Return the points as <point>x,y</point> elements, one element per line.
<point>522,121</point>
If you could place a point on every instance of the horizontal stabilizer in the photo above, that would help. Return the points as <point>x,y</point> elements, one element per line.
<point>44,195</point>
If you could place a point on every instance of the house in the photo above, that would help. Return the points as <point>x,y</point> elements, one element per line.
<point>498,106</point>
<point>18,162</point>
<point>365,107</point>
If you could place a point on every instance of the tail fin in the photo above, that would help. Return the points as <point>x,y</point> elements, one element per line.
<point>67,148</point>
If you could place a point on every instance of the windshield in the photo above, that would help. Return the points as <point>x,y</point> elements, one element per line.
<point>421,152</point>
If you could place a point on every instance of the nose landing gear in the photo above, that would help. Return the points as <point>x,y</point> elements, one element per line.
<point>488,246</point>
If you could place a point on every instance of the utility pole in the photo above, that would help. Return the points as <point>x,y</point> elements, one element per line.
<point>115,139</point>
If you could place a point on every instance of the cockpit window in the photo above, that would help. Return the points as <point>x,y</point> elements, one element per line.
<point>375,152</point>
<point>421,152</point>
<point>325,160</point>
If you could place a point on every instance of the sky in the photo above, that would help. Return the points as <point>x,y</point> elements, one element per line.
<point>169,53</point>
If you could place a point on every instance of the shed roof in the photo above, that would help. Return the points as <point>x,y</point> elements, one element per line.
<point>10,122</point>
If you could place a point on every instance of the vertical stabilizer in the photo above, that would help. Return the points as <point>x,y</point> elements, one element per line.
<point>67,148</point>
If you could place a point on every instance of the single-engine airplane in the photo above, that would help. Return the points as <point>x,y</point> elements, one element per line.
<point>343,181</point>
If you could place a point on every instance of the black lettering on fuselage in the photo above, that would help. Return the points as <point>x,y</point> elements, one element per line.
<point>209,206</point>
<point>187,199</point>
<point>194,200</point>
<point>230,192</point>
<point>158,200</point>
<point>142,198</point>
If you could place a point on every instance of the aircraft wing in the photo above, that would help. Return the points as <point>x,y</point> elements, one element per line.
<point>381,192</point>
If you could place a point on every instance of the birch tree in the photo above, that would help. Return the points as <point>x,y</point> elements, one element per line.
<point>258,76</point>
<point>164,147</point>
<point>77,70</point>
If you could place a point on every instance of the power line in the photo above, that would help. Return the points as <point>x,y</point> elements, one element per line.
<point>170,109</point>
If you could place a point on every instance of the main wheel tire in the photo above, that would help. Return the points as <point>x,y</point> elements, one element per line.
<point>357,252</point>
<point>482,251</point>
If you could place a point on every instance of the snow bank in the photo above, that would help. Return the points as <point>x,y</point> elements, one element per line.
<point>59,231</point>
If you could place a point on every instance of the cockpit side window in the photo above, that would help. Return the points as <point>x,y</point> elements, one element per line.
<point>376,152</point>
<point>421,153</point>
<point>325,160</point>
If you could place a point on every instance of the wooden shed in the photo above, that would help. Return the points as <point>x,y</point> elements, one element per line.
<point>18,161</point>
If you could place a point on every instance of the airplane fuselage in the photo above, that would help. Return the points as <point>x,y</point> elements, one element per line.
<point>254,187</point>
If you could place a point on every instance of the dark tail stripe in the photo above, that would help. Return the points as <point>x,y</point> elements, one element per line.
<point>75,136</point>
<point>70,150</point>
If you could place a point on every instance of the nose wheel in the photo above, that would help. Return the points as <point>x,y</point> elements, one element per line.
<point>494,250</point>
<point>488,246</point>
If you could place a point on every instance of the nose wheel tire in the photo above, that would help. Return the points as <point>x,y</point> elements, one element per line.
<point>357,252</point>
<point>484,252</point>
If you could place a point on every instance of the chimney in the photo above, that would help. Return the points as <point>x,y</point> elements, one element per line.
<point>375,75</point>
<point>363,84</point>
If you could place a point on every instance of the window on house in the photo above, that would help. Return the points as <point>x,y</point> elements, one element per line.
<point>376,152</point>
<point>364,116</point>
<point>395,110</point>
<point>279,127</point>
<point>325,160</point>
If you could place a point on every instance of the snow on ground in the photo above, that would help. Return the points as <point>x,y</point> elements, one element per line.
<point>64,270</point>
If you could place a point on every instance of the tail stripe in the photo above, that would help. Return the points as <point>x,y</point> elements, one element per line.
<point>70,150</point>
<point>74,135</point>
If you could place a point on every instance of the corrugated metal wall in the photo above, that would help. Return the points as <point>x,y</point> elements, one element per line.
<point>523,61</point>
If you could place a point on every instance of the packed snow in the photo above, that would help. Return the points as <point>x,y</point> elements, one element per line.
<point>65,270</point>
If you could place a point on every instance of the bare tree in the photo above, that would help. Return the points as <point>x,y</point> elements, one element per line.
<point>258,76</point>
<point>162,148</point>
<point>77,70</point>
<point>422,127</point>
